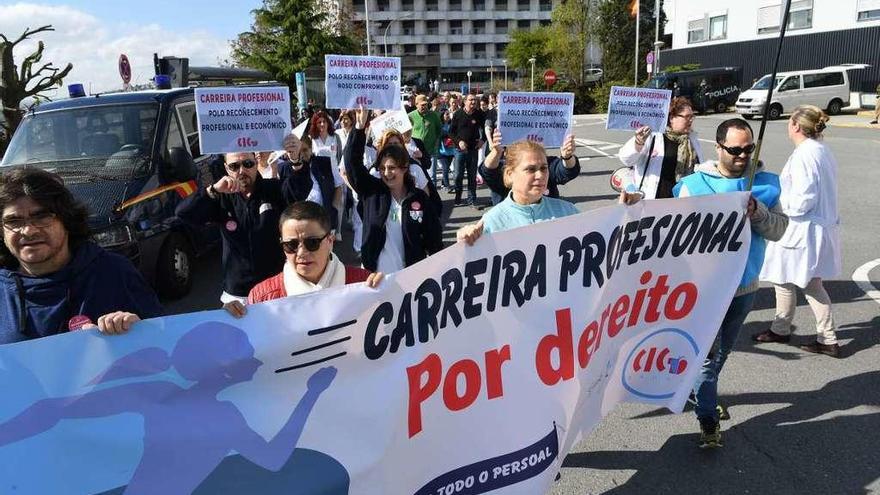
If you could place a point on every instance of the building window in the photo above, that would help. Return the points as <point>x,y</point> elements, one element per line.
<point>433,49</point>
<point>479,50</point>
<point>432,27</point>
<point>358,5</point>
<point>432,5</point>
<point>454,4</point>
<point>869,10</point>
<point>479,4</point>
<point>455,27</point>
<point>523,5</point>
<point>408,5</point>
<point>544,22</point>
<point>409,28</point>
<point>409,49</point>
<point>800,16</point>
<point>500,27</point>
<point>456,50</point>
<point>545,5</point>
<point>500,48</point>
<point>718,27</point>
<point>697,31</point>
<point>478,27</point>
<point>383,4</point>
<point>523,24</point>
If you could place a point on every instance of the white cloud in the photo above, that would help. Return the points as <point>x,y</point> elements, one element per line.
<point>93,46</point>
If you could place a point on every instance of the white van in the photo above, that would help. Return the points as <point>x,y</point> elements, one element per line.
<point>826,88</point>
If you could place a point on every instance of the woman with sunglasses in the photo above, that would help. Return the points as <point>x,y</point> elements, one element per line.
<point>401,227</point>
<point>810,249</point>
<point>310,264</point>
<point>660,159</point>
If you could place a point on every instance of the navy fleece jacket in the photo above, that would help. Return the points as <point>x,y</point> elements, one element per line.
<point>94,283</point>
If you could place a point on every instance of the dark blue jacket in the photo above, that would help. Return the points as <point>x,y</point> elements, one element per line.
<point>559,174</point>
<point>94,283</point>
<point>422,232</point>
<point>297,185</point>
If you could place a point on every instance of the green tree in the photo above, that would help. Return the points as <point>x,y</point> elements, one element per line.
<point>616,31</point>
<point>527,43</point>
<point>19,83</point>
<point>568,36</point>
<point>290,35</point>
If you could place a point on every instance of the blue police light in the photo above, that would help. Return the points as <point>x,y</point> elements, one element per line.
<point>162,81</point>
<point>76,90</point>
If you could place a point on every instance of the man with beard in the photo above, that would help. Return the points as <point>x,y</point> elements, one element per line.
<point>734,144</point>
<point>246,207</point>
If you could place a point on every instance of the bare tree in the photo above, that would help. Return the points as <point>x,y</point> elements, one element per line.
<point>16,82</point>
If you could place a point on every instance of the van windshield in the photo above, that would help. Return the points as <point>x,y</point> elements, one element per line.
<point>764,83</point>
<point>657,82</point>
<point>107,140</point>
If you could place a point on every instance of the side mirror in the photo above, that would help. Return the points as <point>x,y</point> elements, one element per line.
<point>181,167</point>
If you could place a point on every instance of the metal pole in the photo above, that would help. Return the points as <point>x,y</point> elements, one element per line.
<point>491,74</point>
<point>532,60</point>
<point>638,20</point>
<point>505,74</point>
<point>753,165</point>
<point>367,23</point>
<point>656,36</point>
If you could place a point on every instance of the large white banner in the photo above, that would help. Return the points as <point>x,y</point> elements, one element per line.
<point>352,81</point>
<point>242,119</point>
<point>631,108</point>
<point>474,370</point>
<point>540,117</point>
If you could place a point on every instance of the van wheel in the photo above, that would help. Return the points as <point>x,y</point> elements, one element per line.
<point>721,107</point>
<point>834,107</point>
<point>174,267</point>
<point>775,111</point>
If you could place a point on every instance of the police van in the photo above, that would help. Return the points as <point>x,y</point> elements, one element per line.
<point>826,88</point>
<point>131,157</point>
<point>713,88</point>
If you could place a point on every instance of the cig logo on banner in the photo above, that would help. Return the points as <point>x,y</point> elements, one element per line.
<point>654,367</point>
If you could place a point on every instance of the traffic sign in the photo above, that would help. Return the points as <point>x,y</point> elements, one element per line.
<point>124,69</point>
<point>470,73</point>
<point>549,77</point>
<point>649,59</point>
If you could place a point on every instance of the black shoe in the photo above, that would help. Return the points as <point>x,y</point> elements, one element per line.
<point>458,202</point>
<point>770,336</point>
<point>710,434</point>
<point>873,122</point>
<point>451,190</point>
<point>832,350</point>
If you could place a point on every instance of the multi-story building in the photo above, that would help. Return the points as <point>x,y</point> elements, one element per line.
<point>745,33</point>
<point>444,39</point>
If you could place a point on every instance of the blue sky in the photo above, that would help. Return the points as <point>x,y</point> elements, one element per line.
<point>92,34</point>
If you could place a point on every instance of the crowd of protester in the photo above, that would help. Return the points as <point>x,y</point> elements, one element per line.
<point>281,214</point>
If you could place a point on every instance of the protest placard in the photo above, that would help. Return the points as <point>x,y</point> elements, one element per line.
<point>242,119</point>
<point>632,108</point>
<point>476,369</point>
<point>352,81</point>
<point>540,117</point>
<point>397,120</point>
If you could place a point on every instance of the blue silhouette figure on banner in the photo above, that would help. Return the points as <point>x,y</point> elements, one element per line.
<point>188,432</point>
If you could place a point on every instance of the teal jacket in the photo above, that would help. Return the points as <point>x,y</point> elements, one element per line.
<point>508,214</point>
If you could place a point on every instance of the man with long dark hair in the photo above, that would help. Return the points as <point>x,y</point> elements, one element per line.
<point>53,279</point>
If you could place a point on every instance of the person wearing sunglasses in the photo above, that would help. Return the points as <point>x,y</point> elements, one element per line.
<point>310,263</point>
<point>309,177</point>
<point>400,224</point>
<point>734,145</point>
<point>660,159</point>
<point>53,278</point>
<point>246,207</point>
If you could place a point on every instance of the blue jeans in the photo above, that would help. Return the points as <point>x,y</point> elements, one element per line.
<point>466,161</point>
<point>706,388</point>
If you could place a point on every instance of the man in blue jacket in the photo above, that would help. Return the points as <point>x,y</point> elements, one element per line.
<point>52,278</point>
<point>734,144</point>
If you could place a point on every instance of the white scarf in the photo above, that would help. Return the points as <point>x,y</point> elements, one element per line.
<point>334,276</point>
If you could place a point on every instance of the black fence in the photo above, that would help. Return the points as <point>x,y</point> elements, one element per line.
<point>799,52</point>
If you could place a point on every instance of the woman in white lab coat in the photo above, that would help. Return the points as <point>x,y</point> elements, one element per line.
<point>660,159</point>
<point>810,249</point>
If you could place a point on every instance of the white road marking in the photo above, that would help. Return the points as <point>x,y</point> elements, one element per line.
<point>610,146</point>
<point>861,278</point>
<point>593,145</point>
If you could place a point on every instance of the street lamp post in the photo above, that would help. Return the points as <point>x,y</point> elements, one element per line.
<point>469,74</point>
<point>392,21</point>
<point>532,61</point>
<point>505,73</point>
<point>491,74</point>
<point>367,23</point>
<point>657,46</point>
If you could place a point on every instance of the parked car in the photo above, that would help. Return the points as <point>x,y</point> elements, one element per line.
<point>714,88</point>
<point>826,88</point>
<point>131,157</point>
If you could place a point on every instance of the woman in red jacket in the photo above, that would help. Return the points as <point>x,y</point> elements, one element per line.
<point>311,266</point>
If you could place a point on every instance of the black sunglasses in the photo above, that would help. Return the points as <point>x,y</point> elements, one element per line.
<point>235,166</point>
<point>738,150</point>
<point>311,243</point>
